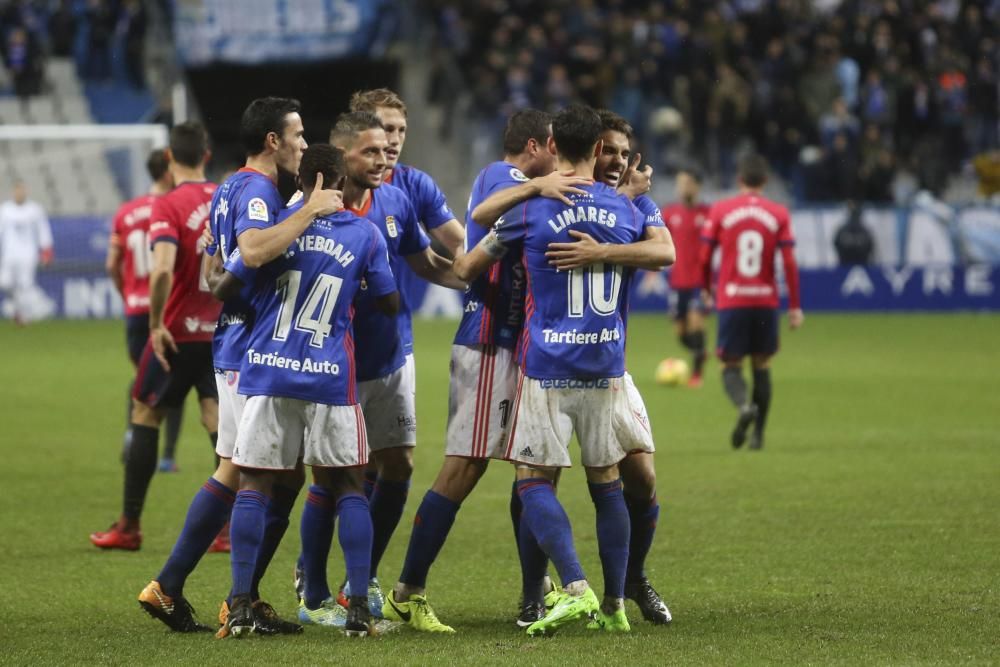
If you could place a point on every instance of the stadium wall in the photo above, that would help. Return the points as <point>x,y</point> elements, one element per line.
<point>927,259</point>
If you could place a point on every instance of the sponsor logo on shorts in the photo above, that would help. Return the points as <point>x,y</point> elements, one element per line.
<point>575,383</point>
<point>526,453</point>
<point>407,423</point>
<point>232,377</point>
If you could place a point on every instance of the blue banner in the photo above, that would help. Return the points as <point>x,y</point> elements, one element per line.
<point>248,32</point>
<point>75,285</point>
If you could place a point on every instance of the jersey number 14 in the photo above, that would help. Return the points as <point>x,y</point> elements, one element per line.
<point>313,317</point>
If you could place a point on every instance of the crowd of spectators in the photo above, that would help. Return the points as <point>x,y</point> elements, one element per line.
<point>106,39</point>
<point>839,94</point>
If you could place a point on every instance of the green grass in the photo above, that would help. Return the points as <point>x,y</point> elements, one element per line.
<point>866,532</point>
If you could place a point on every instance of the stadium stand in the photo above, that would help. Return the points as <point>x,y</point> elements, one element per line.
<point>847,98</point>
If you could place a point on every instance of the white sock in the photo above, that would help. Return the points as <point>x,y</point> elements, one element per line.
<point>577,588</point>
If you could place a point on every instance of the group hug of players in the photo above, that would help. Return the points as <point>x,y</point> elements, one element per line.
<point>292,323</point>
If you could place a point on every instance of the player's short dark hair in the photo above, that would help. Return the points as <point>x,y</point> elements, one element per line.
<point>351,124</point>
<point>693,172</point>
<point>157,164</point>
<point>610,121</point>
<point>189,143</point>
<point>322,159</point>
<point>576,129</point>
<point>752,170</point>
<point>370,100</point>
<point>523,125</point>
<point>263,116</point>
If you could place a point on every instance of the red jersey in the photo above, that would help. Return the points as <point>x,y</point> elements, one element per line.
<point>685,224</point>
<point>750,229</point>
<point>179,217</point>
<point>130,232</point>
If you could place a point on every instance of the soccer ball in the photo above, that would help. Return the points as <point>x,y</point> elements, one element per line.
<point>672,372</point>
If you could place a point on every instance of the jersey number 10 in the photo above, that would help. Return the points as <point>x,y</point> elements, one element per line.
<point>322,298</point>
<point>600,303</point>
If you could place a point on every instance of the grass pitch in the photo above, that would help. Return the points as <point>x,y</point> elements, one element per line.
<point>865,532</point>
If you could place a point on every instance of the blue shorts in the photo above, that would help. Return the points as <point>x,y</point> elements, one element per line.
<point>683,301</point>
<point>747,331</point>
<point>136,335</point>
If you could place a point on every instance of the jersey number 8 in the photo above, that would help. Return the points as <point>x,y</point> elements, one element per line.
<point>749,253</point>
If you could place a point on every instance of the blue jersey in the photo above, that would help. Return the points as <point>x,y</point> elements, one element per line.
<point>494,303</point>
<point>301,345</point>
<point>428,201</point>
<point>650,210</point>
<point>574,320</point>
<point>429,205</point>
<point>383,341</point>
<point>246,199</point>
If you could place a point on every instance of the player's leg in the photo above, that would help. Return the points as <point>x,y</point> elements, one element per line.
<point>136,335</point>
<point>173,420</point>
<point>540,433</point>
<point>481,392</point>
<point>695,332</point>
<point>336,447</point>
<point>24,290</point>
<point>155,389</point>
<point>208,512</point>
<point>610,422</point>
<point>639,482</point>
<point>269,441</point>
<point>434,519</point>
<point>389,406</point>
<point>734,344</point>
<point>764,346</point>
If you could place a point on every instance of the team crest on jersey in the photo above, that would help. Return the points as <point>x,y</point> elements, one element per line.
<point>518,175</point>
<point>257,209</point>
<point>390,225</point>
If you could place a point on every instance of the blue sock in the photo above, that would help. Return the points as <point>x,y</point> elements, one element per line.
<point>369,483</point>
<point>643,515</point>
<point>386,502</point>
<point>207,514</point>
<point>356,540</point>
<point>612,534</point>
<point>275,525</point>
<point>317,535</point>
<point>431,525</point>
<point>246,532</point>
<point>547,521</point>
<point>534,562</point>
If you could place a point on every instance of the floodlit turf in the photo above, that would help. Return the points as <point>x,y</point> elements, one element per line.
<point>866,532</point>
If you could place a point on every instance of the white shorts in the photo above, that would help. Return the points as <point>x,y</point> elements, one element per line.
<point>275,432</point>
<point>17,273</point>
<point>607,415</point>
<point>231,404</point>
<point>480,400</point>
<point>390,407</point>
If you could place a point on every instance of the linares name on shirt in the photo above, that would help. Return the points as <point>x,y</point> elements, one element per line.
<point>306,365</point>
<point>571,216</point>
